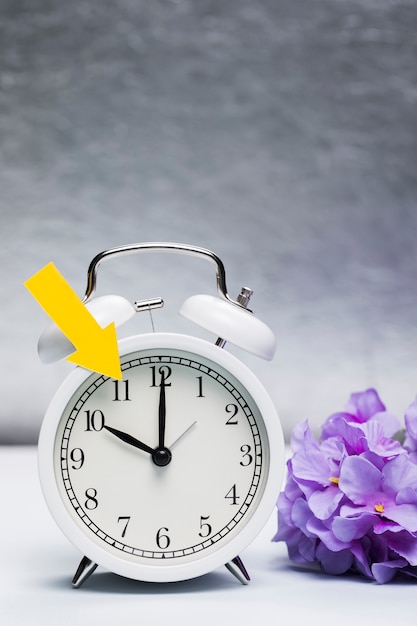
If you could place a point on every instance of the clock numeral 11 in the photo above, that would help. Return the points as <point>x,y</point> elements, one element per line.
<point>121,391</point>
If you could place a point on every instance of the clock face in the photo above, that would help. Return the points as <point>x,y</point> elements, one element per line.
<point>161,475</point>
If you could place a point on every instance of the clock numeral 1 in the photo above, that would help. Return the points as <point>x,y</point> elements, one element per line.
<point>95,420</point>
<point>125,519</point>
<point>205,528</point>
<point>232,495</point>
<point>162,539</point>
<point>121,390</point>
<point>91,503</point>
<point>165,372</point>
<point>200,387</point>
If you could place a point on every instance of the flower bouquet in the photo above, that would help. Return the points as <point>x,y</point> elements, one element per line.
<point>350,499</point>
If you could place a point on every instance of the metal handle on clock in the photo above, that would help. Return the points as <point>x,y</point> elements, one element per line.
<point>159,247</point>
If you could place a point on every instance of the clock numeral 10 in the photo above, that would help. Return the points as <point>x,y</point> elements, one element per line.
<point>95,420</point>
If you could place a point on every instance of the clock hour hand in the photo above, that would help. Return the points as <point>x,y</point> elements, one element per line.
<point>129,439</point>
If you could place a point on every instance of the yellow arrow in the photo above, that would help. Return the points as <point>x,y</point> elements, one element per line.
<point>96,347</point>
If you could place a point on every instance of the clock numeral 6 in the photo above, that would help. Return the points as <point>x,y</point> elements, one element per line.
<point>91,503</point>
<point>95,420</point>
<point>162,539</point>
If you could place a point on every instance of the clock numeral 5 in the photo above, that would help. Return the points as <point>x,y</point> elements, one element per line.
<point>205,528</point>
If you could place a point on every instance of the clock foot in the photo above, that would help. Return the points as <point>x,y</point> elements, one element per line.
<point>236,567</point>
<point>84,570</point>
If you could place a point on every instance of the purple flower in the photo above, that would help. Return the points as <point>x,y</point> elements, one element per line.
<point>350,500</point>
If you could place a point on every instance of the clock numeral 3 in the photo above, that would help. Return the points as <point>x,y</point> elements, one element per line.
<point>95,420</point>
<point>91,503</point>
<point>162,539</point>
<point>247,458</point>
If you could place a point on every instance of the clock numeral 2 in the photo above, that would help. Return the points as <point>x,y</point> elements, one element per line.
<point>232,409</point>
<point>121,390</point>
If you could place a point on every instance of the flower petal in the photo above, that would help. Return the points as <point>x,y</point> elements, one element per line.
<point>348,528</point>
<point>403,544</point>
<point>359,480</point>
<point>365,404</point>
<point>325,502</point>
<point>384,572</point>
<point>335,563</point>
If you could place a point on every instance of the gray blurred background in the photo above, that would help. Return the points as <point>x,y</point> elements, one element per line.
<point>281,134</point>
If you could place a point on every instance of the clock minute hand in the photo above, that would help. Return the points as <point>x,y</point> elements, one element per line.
<point>161,415</point>
<point>129,439</point>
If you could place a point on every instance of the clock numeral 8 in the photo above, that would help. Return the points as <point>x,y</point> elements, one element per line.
<point>91,503</point>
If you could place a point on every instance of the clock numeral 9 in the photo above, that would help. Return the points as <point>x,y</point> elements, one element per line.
<point>162,539</point>
<point>77,457</point>
<point>95,420</point>
<point>91,503</point>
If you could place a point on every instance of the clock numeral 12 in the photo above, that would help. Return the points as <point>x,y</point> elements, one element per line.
<point>165,372</point>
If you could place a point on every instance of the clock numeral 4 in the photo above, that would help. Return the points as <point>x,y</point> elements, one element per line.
<point>232,495</point>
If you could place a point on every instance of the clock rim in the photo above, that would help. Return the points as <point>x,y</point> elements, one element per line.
<point>225,553</point>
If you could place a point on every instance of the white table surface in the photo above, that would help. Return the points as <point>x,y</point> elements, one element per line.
<point>37,564</point>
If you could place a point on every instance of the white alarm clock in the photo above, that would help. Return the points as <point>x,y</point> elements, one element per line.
<point>172,471</point>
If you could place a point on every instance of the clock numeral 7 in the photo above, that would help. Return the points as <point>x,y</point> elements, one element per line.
<point>125,519</point>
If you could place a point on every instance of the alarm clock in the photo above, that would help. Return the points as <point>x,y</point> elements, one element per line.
<point>173,470</point>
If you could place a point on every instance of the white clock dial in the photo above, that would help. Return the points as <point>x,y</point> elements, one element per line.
<point>161,476</point>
